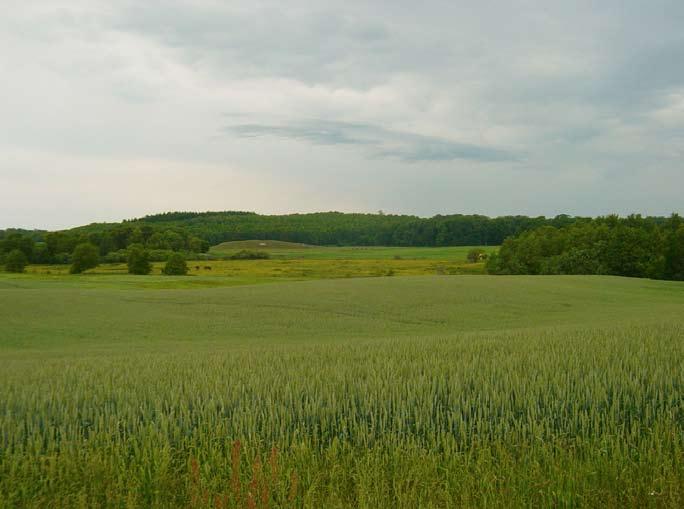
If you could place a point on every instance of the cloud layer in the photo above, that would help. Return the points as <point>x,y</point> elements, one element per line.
<point>380,142</point>
<point>116,109</point>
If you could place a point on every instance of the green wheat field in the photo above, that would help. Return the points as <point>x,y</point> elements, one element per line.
<point>376,392</point>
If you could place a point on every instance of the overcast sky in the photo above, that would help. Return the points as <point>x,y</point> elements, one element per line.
<point>115,109</point>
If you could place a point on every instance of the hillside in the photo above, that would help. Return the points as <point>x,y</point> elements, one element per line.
<point>337,228</point>
<point>260,244</point>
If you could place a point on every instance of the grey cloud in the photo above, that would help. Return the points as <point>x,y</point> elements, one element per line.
<point>579,92</point>
<point>380,142</point>
<point>644,77</point>
<point>328,43</point>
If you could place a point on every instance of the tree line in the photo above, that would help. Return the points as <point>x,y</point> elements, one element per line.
<point>633,246</point>
<point>111,243</point>
<point>344,229</point>
<point>193,232</point>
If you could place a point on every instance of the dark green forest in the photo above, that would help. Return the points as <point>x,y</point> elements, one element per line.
<point>335,228</point>
<point>631,246</point>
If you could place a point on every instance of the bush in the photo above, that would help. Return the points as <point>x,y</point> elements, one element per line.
<point>206,256</point>
<point>86,256</point>
<point>138,260</point>
<point>673,262</point>
<point>250,255</point>
<point>476,255</point>
<point>197,245</point>
<point>16,261</point>
<point>62,258</point>
<point>120,256</point>
<point>573,261</point>
<point>160,255</point>
<point>17,241</point>
<point>176,266</point>
<point>492,265</point>
<point>41,254</point>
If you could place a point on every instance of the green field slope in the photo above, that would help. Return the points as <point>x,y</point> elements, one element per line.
<point>236,245</point>
<point>439,391</point>
<point>288,250</point>
<point>109,312</point>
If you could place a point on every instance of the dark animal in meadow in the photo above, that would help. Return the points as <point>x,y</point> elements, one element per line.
<point>207,267</point>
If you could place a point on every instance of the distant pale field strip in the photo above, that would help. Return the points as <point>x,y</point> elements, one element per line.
<point>302,251</point>
<point>384,392</point>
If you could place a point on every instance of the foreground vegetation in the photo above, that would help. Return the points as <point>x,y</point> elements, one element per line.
<point>384,392</point>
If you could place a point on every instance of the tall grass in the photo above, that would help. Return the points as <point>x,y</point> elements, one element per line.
<point>255,270</point>
<point>560,418</point>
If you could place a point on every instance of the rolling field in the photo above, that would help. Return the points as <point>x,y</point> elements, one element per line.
<point>471,391</point>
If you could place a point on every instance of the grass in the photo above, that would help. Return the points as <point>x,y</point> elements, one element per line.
<point>256,271</point>
<point>464,391</point>
<point>292,262</point>
<point>265,245</point>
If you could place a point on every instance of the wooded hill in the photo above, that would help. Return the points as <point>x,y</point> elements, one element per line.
<point>343,229</point>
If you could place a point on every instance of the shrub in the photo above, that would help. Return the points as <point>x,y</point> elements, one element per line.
<point>250,255</point>
<point>160,255</point>
<point>476,255</point>
<point>120,256</point>
<point>16,261</point>
<point>673,262</point>
<point>176,266</point>
<point>573,261</point>
<point>197,245</point>
<point>86,256</point>
<point>138,260</point>
<point>62,258</point>
<point>18,241</point>
<point>492,265</point>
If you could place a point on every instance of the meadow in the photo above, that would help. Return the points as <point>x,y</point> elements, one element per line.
<point>297,262</point>
<point>427,391</point>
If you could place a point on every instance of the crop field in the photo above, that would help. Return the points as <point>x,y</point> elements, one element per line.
<point>428,391</point>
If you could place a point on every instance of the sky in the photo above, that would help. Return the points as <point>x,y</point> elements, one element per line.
<point>117,109</point>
